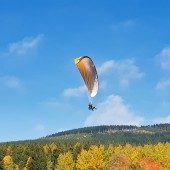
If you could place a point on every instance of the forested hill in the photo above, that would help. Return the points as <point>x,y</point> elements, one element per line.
<point>115,128</point>
<point>116,134</point>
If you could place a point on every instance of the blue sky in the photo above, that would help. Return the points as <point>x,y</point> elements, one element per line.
<point>41,90</point>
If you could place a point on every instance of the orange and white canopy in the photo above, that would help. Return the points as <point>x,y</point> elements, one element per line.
<point>88,72</point>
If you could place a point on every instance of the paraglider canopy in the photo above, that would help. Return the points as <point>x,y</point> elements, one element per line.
<point>88,72</point>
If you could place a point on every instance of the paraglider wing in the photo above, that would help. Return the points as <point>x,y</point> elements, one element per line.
<point>88,72</point>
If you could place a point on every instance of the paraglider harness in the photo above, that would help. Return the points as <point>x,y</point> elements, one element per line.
<point>91,107</point>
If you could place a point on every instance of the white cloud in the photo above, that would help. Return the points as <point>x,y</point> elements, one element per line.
<point>125,70</point>
<point>163,84</point>
<point>75,92</point>
<point>161,120</point>
<point>10,81</point>
<point>164,58</point>
<point>22,47</point>
<point>113,111</point>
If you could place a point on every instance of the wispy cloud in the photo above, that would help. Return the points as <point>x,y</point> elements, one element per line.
<point>113,111</point>
<point>23,46</point>
<point>61,130</point>
<point>163,84</point>
<point>162,120</point>
<point>125,25</point>
<point>10,81</point>
<point>106,66</point>
<point>52,103</point>
<point>125,70</point>
<point>39,128</point>
<point>75,92</point>
<point>103,85</point>
<point>164,58</point>
<point>81,90</point>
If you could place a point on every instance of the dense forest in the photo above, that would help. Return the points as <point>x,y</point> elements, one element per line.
<point>39,156</point>
<point>92,148</point>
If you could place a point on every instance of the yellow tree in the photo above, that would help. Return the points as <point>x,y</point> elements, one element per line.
<point>109,152</point>
<point>65,162</point>
<point>132,153</point>
<point>53,147</point>
<point>118,149</point>
<point>159,153</point>
<point>162,155</point>
<point>46,149</point>
<point>49,164</point>
<point>27,167</point>
<point>8,163</point>
<point>9,150</point>
<point>76,150</point>
<point>93,159</point>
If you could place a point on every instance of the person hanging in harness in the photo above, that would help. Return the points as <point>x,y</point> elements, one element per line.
<point>91,107</point>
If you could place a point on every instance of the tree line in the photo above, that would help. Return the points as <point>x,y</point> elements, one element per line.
<point>112,128</point>
<point>135,137</point>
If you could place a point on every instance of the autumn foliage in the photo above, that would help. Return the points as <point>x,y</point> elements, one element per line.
<point>149,164</point>
<point>84,157</point>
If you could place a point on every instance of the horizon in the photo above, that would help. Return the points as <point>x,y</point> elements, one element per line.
<point>41,89</point>
<point>51,135</point>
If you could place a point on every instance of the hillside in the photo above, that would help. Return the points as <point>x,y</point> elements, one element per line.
<point>112,134</point>
<point>127,143</point>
